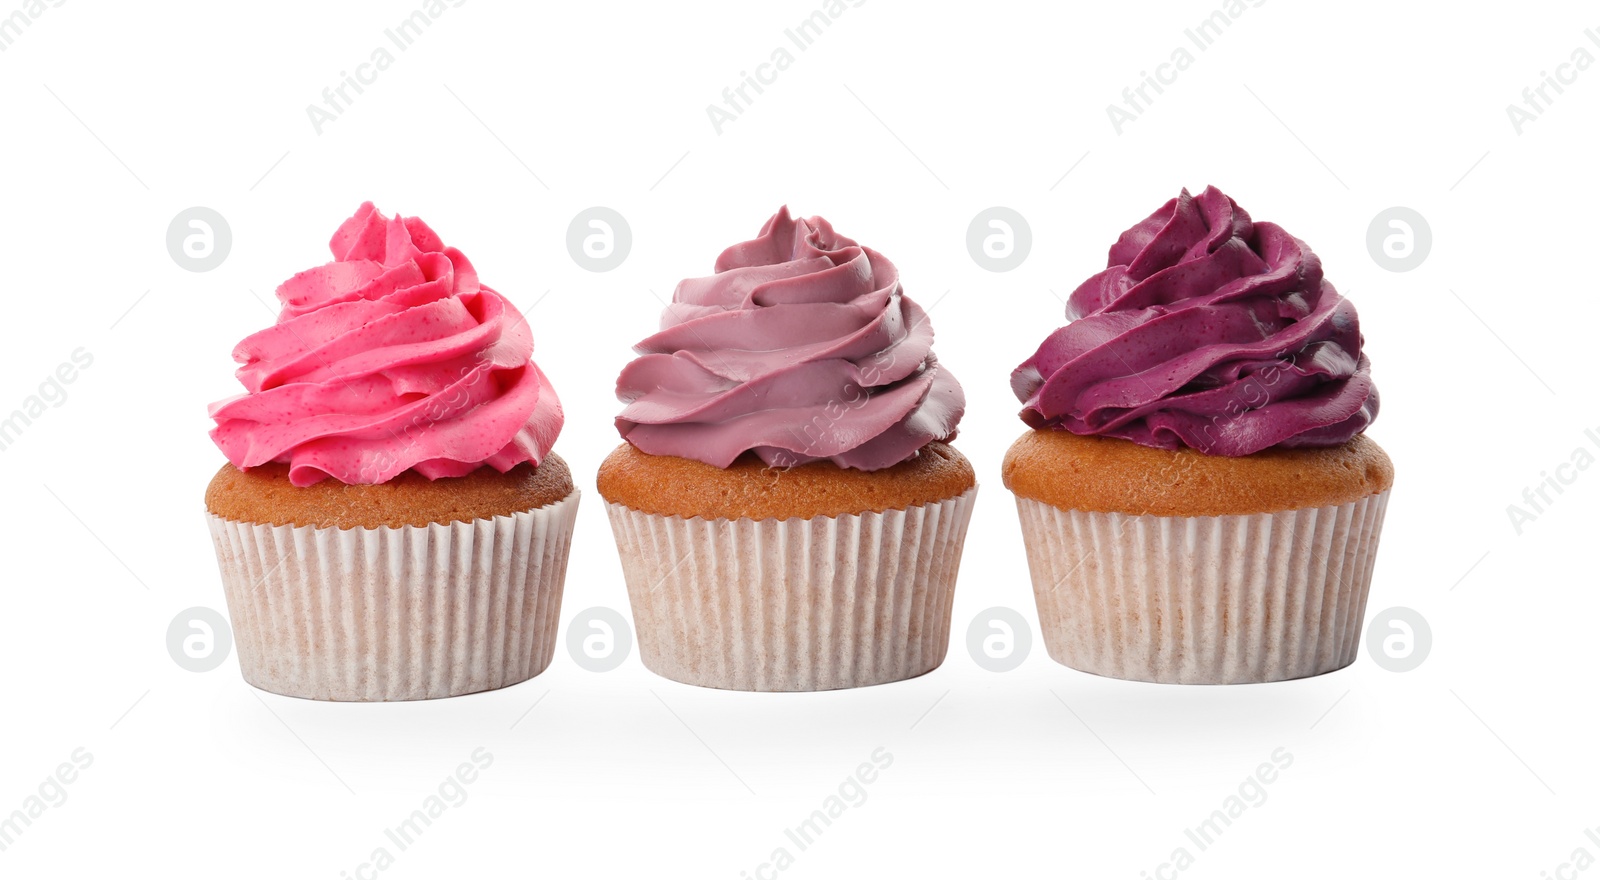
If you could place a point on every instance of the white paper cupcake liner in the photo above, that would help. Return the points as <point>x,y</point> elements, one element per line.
<point>409,613</point>
<point>1203,600</point>
<point>793,605</point>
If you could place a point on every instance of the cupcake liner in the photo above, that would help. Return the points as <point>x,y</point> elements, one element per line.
<point>409,613</point>
<point>793,605</point>
<point>1203,600</point>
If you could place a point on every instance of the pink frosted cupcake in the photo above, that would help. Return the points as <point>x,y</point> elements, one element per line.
<point>392,524</point>
<point>789,514</point>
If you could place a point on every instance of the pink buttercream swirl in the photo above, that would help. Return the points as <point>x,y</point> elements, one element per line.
<point>390,358</point>
<point>800,348</point>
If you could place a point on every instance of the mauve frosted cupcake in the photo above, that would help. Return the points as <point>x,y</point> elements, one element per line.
<point>788,511</point>
<point>1198,501</point>
<point>392,524</point>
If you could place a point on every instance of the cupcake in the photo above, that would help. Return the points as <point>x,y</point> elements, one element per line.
<point>1198,501</point>
<point>391,523</point>
<point>788,510</point>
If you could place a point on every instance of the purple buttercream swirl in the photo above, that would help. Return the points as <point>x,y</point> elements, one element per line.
<point>800,348</point>
<point>1208,331</point>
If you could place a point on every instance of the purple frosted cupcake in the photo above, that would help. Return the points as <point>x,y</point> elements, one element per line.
<point>1198,500</point>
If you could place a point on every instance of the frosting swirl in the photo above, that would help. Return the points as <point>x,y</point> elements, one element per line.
<point>1205,330</point>
<point>390,358</point>
<point>800,348</point>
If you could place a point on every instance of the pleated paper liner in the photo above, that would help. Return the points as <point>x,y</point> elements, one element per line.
<point>1203,600</point>
<point>409,613</point>
<point>793,605</point>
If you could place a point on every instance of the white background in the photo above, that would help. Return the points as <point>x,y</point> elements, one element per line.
<point>119,115</point>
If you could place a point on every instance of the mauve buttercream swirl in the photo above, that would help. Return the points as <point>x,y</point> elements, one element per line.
<point>1205,330</point>
<point>390,358</point>
<point>800,348</point>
